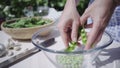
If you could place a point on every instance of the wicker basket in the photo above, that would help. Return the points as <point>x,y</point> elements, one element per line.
<point>25,33</point>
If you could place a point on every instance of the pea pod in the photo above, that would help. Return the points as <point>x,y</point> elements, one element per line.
<point>72,45</point>
<point>83,36</point>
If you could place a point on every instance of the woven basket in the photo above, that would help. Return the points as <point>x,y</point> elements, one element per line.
<point>25,33</point>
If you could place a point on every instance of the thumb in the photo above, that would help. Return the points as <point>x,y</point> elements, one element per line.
<point>84,18</point>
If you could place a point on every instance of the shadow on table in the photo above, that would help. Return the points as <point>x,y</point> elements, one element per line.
<point>113,53</point>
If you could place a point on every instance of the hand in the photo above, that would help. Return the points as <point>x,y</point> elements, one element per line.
<point>69,22</point>
<point>100,11</point>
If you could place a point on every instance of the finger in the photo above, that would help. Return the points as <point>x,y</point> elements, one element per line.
<point>98,38</point>
<point>74,33</point>
<point>84,18</point>
<point>89,25</point>
<point>65,33</point>
<point>93,34</point>
<point>65,37</point>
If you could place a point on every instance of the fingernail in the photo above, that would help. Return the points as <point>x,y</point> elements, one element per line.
<point>74,39</point>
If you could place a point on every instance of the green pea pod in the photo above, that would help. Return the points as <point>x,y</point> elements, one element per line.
<point>83,36</point>
<point>71,46</point>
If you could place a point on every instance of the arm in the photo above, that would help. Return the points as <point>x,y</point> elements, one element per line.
<point>69,22</point>
<point>100,11</point>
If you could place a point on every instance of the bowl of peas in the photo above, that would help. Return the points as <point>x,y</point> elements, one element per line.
<point>73,56</point>
<point>23,28</point>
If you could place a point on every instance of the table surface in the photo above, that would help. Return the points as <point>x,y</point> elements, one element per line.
<point>109,57</point>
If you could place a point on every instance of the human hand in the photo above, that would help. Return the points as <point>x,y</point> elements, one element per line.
<point>69,22</point>
<point>100,11</point>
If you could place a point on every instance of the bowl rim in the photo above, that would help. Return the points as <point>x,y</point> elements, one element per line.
<point>74,52</point>
<point>52,22</point>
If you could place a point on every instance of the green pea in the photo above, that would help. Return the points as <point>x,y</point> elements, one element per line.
<point>83,34</point>
<point>70,61</point>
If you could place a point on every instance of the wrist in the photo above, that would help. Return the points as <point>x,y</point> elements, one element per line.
<point>70,3</point>
<point>73,2</point>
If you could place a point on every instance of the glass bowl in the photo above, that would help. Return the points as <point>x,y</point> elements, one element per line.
<point>54,49</point>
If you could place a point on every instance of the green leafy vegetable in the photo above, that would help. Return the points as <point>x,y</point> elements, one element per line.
<point>27,22</point>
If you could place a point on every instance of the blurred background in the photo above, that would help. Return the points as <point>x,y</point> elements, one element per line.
<point>10,9</point>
